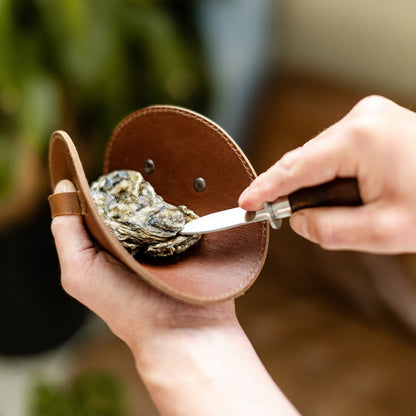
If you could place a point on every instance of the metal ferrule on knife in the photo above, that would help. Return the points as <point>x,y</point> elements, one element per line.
<point>272,212</point>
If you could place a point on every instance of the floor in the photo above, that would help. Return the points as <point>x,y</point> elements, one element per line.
<point>325,324</point>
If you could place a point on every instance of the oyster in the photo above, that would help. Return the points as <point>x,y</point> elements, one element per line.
<point>139,217</point>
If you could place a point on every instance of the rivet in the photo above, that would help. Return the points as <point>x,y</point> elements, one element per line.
<point>200,184</point>
<point>149,166</point>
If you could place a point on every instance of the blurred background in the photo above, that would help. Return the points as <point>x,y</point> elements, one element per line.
<point>335,330</point>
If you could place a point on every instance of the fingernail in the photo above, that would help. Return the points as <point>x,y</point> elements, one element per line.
<point>64,186</point>
<point>299,225</point>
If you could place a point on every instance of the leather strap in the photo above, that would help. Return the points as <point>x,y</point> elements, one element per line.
<point>66,203</point>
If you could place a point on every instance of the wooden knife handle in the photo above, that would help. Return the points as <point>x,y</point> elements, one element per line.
<point>339,192</point>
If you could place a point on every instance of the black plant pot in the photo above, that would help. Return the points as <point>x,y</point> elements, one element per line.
<point>35,312</point>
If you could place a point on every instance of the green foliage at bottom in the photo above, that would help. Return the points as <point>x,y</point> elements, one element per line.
<point>90,394</point>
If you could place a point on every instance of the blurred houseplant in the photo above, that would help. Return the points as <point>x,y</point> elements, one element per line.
<point>81,66</point>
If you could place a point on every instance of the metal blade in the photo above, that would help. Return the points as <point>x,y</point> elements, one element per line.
<point>222,220</point>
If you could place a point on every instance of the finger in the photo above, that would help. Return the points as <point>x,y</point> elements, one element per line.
<point>71,237</point>
<point>320,161</point>
<point>81,263</point>
<point>266,187</point>
<point>79,258</point>
<point>362,228</point>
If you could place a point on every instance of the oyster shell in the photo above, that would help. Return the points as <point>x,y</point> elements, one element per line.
<point>139,217</point>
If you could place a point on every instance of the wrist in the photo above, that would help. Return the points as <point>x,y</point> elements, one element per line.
<point>209,370</point>
<point>168,348</point>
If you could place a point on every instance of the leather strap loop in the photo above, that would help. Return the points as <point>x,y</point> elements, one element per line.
<point>66,203</point>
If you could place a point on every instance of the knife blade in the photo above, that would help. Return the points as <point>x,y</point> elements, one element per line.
<point>339,192</point>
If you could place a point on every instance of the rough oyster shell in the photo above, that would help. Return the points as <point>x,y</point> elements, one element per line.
<point>139,217</point>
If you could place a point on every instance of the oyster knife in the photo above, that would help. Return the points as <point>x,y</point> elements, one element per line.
<point>339,192</point>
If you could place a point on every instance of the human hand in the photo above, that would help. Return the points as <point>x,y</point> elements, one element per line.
<point>132,309</point>
<point>194,360</point>
<point>376,143</point>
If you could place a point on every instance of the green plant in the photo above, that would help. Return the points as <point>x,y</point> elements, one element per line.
<point>82,65</point>
<point>90,394</point>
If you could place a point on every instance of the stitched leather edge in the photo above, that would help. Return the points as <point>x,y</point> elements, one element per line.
<point>261,254</point>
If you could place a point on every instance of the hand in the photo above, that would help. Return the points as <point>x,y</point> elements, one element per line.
<point>376,143</point>
<point>194,360</point>
<point>130,307</point>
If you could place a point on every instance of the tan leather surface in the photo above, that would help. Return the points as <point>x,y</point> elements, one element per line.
<point>66,203</point>
<point>183,146</point>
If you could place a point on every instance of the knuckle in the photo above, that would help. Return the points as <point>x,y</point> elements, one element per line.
<point>386,229</point>
<point>323,233</point>
<point>287,169</point>
<point>289,159</point>
<point>365,120</point>
<point>73,274</point>
<point>55,226</point>
<point>327,238</point>
<point>261,183</point>
<point>68,280</point>
<point>370,104</point>
<point>368,111</point>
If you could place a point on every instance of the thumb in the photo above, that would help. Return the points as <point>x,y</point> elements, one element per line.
<point>71,237</point>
